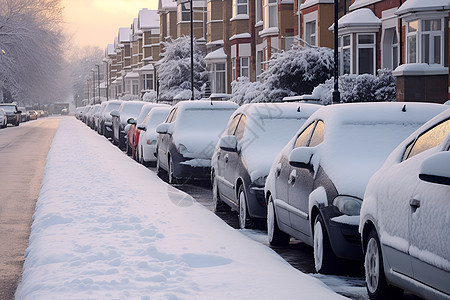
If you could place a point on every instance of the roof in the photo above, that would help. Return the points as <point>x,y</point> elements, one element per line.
<point>132,75</point>
<point>362,17</point>
<point>199,104</point>
<point>148,19</point>
<point>110,50</point>
<point>420,5</point>
<point>361,3</point>
<point>124,34</point>
<point>166,5</point>
<point>309,3</point>
<point>278,110</point>
<point>218,54</point>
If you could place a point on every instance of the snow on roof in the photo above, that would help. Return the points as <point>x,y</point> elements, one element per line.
<point>165,5</point>
<point>218,54</point>
<point>361,3</point>
<point>309,3</point>
<point>132,75</point>
<point>110,50</point>
<point>205,104</point>
<point>124,34</point>
<point>240,36</point>
<point>218,42</point>
<point>148,19</point>
<point>148,67</point>
<point>419,69</point>
<point>420,5</point>
<point>362,17</point>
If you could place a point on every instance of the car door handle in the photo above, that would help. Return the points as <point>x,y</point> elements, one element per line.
<point>226,158</point>
<point>292,177</point>
<point>278,170</point>
<point>415,204</point>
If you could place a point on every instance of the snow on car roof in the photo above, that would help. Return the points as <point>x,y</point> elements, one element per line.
<point>206,104</point>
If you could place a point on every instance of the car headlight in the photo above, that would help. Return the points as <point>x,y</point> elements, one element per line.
<point>347,205</point>
<point>151,142</point>
<point>182,149</point>
<point>261,181</point>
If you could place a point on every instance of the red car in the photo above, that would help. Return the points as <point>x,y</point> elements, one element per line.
<point>134,131</point>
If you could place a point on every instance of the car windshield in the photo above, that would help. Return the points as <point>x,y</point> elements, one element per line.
<point>155,120</point>
<point>111,107</point>
<point>8,108</point>
<point>204,119</point>
<point>143,114</point>
<point>130,110</point>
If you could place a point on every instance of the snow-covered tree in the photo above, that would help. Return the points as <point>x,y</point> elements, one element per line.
<point>359,88</point>
<point>293,72</point>
<point>174,69</point>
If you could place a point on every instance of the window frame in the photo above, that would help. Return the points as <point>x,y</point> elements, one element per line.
<point>371,46</point>
<point>343,47</point>
<point>270,20</point>
<point>246,68</point>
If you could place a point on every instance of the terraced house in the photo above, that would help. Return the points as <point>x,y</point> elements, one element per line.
<point>239,37</point>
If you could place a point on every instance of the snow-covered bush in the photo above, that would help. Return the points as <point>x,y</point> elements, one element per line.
<point>129,97</point>
<point>359,88</point>
<point>175,68</point>
<point>293,72</point>
<point>150,96</point>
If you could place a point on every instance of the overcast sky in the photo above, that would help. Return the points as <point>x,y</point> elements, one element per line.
<point>96,22</point>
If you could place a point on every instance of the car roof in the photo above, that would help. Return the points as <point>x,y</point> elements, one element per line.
<point>205,104</point>
<point>278,110</point>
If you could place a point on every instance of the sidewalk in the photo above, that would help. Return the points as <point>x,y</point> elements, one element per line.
<point>106,227</point>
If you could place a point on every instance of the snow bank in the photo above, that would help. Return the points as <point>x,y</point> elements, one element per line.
<point>99,234</point>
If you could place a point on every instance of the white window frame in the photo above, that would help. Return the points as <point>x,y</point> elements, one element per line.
<point>259,62</point>
<point>244,68</point>
<point>366,46</point>
<point>411,34</point>
<point>135,87</point>
<point>240,4</point>
<point>394,49</point>
<point>184,13</point>
<point>341,53</point>
<point>233,68</point>
<point>215,74</point>
<point>146,78</point>
<point>258,10</point>
<point>310,36</point>
<point>270,20</point>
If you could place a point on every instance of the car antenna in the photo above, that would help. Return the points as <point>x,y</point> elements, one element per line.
<point>299,109</point>
<point>404,108</point>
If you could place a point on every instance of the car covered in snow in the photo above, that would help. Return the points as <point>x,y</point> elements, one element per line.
<point>405,217</point>
<point>146,148</point>
<point>105,118</point>
<point>3,118</point>
<point>255,134</point>
<point>13,114</point>
<point>90,116</point>
<point>315,187</point>
<point>187,138</point>
<point>134,131</point>
<point>128,109</point>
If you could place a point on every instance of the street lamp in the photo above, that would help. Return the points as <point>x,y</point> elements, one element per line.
<point>93,83</point>
<point>336,95</point>
<point>98,82</point>
<point>107,78</point>
<point>192,49</point>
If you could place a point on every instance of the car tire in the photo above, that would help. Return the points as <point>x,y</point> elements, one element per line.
<point>170,177</point>
<point>275,236</point>
<point>376,284</point>
<point>218,204</point>
<point>244,221</point>
<point>325,261</point>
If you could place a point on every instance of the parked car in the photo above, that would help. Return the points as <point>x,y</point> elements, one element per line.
<point>244,154</point>
<point>315,187</point>
<point>128,109</point>
<point>64,111</point>
<point>134,132</point>
<point>97,116</point>
<point>405,217</point>
<point>13,114</point>
<point>105,118</point>
<point>187,138</point>
<point>33,114</point>
<point>90,115</point>
<point>146,149</point>
<point>3,118</point>
<point>23,114</point>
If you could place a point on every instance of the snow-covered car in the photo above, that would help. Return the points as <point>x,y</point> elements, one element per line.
<point>134,131</point>
<point>32,114</point>
<point>90,115</point>
<point>146,149</point>
<point>13,114</point>
<point>3,118</point>
<point>128,109</point>
<point>187,138</point>
<point>255,134</point>
<point>405,217</point>
<point>96,116</point>
<point>23,114</point>
<point>105,118</point>
<point>315,187</point>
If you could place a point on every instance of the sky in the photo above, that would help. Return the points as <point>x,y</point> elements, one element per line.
<point>96,22</point>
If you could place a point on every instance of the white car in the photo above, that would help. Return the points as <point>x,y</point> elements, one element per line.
<point>146,149</point>
<point>3,118</point>
<point>405,217</point>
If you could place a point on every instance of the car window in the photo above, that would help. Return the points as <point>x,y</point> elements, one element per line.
<point>234,123</point>
<point>240,128</point>
<point>302,139</point>
<point>429,139</point>
<point>317,136</point>
<point>170,118</point>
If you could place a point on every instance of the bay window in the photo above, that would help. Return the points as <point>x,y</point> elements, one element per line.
<point>245,66</point>
<point>366,53</point>
<point>345,54</point>
<point>270,13</point>
<point>217,77</point>
<point>311,33</point>
<point>148,81</point>
<point>425,41</point>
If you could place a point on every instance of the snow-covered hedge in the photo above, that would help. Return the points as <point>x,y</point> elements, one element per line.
<point>359,88</point>
<point>129,97</point>
<point>150,96</point>
<point>175,69</point>
<point>293,72</point>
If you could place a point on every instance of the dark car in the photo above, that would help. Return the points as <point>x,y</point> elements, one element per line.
<point>316,184</point>
<point>13,114</point>
<point>255,134</point>
<point>105,118</point>
<point>187,139</point>
<point>128,109</point>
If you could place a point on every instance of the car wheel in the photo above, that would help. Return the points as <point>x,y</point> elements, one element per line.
<point>171,178</point>
<point>324,258</point>
<point>377,287</point>
<point>275,235</point>
<point>243,218</point>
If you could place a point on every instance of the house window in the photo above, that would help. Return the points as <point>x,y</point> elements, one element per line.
<point>128,86</point>
<point>345,54</point>
<point>233,68</point>
<point>411,41</point>
<point>311,33</point>
<point>185,13</point>
<point>394,50</point>
<point>218,77</point>
<point>259,62</point>
<point>431,38</point>
<point>258,10</point>
<point>240,7</point>
<point>270,13</point>
<point>366,53</point>
<point>135,86</point>
<point>148,81</point>
<point>245,66</point>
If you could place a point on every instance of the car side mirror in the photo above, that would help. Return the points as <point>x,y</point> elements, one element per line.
<point>436,168</point>
<point>164,128</point>
<point>228,143</point>
<point>19,112</point>
<point>114,113</point>
<point>142,128</point>
<point>301,157</point>
<point>131,121</point>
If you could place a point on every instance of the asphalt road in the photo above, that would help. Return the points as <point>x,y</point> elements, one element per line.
<point>23,151</point>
